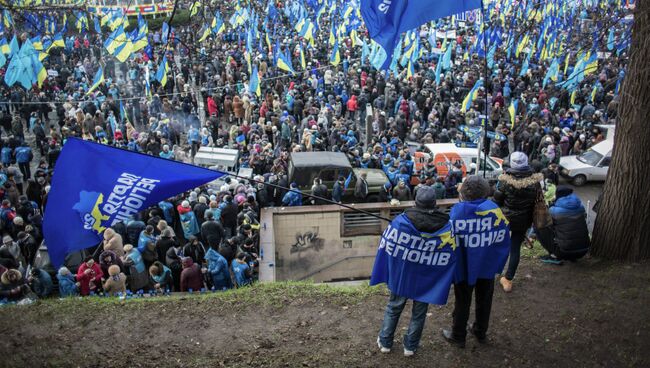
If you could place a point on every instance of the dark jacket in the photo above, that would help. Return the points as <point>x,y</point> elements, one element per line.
<point>361,189</point>
<point>195,251</point>
<point>212,233</point>
<point>570,225</point>
<point>229,215</point>
<point>191,276</point>
<point>516,195</point>
<point>162,246</point>
<point>428,221</point>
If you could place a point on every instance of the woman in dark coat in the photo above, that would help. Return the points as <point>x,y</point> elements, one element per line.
<point>516,194</point>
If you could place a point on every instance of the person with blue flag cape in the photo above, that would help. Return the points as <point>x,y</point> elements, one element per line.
<point>483,238</point>
<point>96,186</point>
<point>188,220</point>
<point>416,260</point>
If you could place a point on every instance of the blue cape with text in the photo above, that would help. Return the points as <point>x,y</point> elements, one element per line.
<point>413,264</point>
<point>483,237</point>
<point>96,186</point>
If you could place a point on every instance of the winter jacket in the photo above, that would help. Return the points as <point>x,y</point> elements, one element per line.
<point>427,220</point>
<point>164,280</point>
<point>242,272</point>
<point>115,284</point>
<point>42,283</point>
<point>212,233</point>
<point>218,268</point>
<point>13,290</point>
<point>570,225</point>
<point>191,276</point>
<point>113,242</point>
<point>516,195</point>
<point>67,285</point>
<point>89,281</point>
<point>292,199</point>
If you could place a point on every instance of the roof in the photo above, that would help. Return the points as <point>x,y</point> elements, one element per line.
<point>604,147</point>
<point>320,159</point>
<point>435,148</point>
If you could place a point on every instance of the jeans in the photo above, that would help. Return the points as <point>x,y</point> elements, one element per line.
<point>394,309</point>
<point>516,238</point>
<point>484,289</point>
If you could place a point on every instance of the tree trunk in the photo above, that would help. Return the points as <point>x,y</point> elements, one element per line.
<point>622,229</point>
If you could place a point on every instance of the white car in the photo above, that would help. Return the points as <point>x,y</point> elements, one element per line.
<point>591,165</point>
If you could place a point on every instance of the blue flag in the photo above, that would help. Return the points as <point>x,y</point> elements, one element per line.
<point>483,238</point>
<point>97,186</point>
<point>386,20</point>
<point>415,265</point>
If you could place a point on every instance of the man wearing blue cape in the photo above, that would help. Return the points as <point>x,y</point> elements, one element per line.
<point>482,234</point>
<point>416,258</point>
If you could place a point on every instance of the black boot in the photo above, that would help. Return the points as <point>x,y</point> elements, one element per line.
<point>449,336</point>
<point>480,337</point>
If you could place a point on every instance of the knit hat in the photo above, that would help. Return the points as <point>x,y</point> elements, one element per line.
<point>114,270</point>
<point>518,160</point>
<point>193,196</point>
<point>474,187</point>
<point>562,191</point>
<point>202,199</point>
<point>128,248</point>
<point>185,204</point>
<point>425,198</point>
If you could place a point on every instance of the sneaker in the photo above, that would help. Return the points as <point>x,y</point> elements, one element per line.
<point>506,284</point>
<point>550,259</point>
<point>384,349</point>
<point>408,353</point>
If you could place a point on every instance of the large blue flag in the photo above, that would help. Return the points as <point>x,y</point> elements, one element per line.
<point>416,265</point>
<point>386,19</point>
<point>96,186</point>
<point>483,238</point>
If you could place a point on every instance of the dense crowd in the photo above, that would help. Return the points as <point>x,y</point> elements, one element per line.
<point>208,238</point>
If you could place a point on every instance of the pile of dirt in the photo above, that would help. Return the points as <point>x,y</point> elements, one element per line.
<point>589,314</point>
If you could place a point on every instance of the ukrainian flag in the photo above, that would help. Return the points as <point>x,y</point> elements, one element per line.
<point>57,41</point>
<point>335,58</point>
<point>218,25</point>
<point>40,72</point>
<point>467,102</point>
<point>36,42</point>
<point>205,32</point>
<point>254,85</point>
<point>123,52</point>
<point>284,63</point>
<point>4,46</point>
<point>591,63</point>
<point>97,81</point>
<point>512,110</point>
<point>332,38</point>
<point>161,74</point>
<point>302,58</point>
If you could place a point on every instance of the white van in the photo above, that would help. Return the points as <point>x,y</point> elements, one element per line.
<point>591,165</point>
<point>469,156</point>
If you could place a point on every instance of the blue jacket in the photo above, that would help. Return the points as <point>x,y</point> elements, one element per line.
<point>136,258</point>
<point>567,206</point>
<point>337,192</point>
<point>143,239</point>
<point>240,270</point>
<point>217,265</point>
<point>5,155</point>
<point>42,284</point>
<point>292,199</point>
<point>67,285</point>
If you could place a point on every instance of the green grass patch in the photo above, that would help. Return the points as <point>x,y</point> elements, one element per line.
<point>534,253</point>
<point>274,294</point>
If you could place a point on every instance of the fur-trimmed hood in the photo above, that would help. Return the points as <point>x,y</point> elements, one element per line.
<point>520,183</point>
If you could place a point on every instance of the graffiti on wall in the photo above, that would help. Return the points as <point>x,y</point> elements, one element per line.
<point>307,240</point>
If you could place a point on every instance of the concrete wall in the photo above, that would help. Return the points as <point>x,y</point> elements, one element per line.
<point>322,243</point>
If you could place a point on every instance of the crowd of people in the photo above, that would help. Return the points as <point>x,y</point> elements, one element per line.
<point>208,238</point>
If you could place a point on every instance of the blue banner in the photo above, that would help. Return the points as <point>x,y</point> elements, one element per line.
<point>387,19</point>
<point>413,264</point>
<point>96,186</point>
<point>483,238</point>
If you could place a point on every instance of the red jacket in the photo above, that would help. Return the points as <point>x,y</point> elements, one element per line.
<point>84,280</point>
<point>352,103</point>
<point>191,276</point>
<point>212,107</point>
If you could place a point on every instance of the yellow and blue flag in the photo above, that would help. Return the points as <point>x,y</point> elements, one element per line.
<point>467,102</point>
<point>161,73</point>
<point>335,57</point>
<point>97,81</point>
<point>87,174</point>
<point>254,84</point>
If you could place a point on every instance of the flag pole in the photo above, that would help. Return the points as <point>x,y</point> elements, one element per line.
<point>485,84</point>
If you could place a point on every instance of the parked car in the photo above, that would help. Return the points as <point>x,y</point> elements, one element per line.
<point>591,165</point>
<point>446,155</point>
<point>304,167</point>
